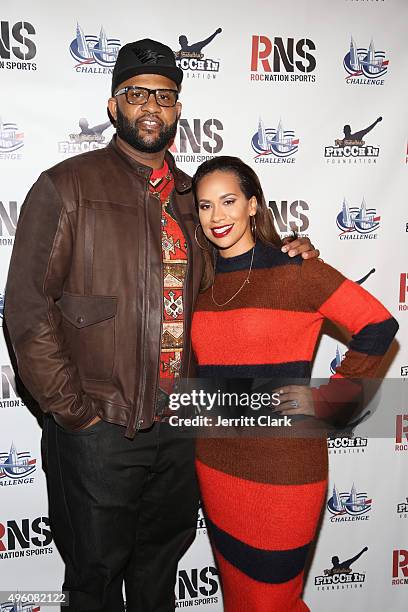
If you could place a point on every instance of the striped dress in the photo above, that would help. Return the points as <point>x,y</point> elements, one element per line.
<point>263,495</point>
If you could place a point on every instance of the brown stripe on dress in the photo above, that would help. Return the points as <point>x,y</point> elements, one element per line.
<point>280,288</point>
<point>269,461</point>
<point>360,364</point>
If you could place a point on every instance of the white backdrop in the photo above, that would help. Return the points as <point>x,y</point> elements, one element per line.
<point>275,87</point>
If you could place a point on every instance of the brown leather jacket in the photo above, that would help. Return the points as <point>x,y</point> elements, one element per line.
<point>84,291</point>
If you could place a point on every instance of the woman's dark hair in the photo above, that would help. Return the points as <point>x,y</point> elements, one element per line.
<point>250,186</point>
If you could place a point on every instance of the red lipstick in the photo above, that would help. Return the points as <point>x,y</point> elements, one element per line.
<point>223,230</point>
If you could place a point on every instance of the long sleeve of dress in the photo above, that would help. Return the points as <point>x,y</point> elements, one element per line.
<point>371,325</point>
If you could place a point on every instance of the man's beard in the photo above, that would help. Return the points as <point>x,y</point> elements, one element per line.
<point>129,132</point>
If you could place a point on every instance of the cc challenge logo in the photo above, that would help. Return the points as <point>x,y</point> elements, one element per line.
<point>341,575</point>
<point>336,362</point>
<point>11,141</point>
<point>283,59</point>
<point>94,54</point>
<point>357,223</point>
<point>197,140</point>
<point>89,138</point>
<point>365,66</point>
<point>352,148</point>
<point>348,506</point>
<point>191,59</point>
<point>16,467</point>
<point>274,145</point>
<point>18,607</point>
<point>17,47</point>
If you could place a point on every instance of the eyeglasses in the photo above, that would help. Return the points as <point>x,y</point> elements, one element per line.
<point>140,95</point>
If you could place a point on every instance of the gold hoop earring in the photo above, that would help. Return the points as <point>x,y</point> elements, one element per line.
<point>196,239</point>
<point>253,227</point>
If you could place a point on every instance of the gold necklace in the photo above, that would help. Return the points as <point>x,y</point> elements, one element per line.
<point>241,287</point>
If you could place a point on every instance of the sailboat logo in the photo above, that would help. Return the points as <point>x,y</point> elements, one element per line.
<point>11,138</point>
<point>348,502</point>
<point>16,465</point>
<point>277,142</point>
<point>365,62</point>
<point>19,607</point>
<point>89,49</point>
<point>334,364</point>
<point>360,220</point>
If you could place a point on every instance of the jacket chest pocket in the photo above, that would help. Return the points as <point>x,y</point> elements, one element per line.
<point>89,328</point>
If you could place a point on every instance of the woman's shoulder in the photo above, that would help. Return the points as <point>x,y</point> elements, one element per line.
<point>270,256</point>
<point>305,272</point>
<point>317,270</point>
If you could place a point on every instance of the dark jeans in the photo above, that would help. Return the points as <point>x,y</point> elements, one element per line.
<point>121,511</point>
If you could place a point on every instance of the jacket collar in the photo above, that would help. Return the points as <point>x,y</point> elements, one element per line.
<point>182,181</point>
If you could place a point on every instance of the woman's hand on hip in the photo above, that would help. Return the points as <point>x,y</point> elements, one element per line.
<point>295,399</point>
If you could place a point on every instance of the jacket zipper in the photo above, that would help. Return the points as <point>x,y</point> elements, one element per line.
<point>161,310</point>
<point>138,421</point>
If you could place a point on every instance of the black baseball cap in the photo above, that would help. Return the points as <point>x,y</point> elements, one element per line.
<point>145,57</point>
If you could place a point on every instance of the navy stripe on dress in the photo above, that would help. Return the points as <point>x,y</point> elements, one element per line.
<point>270,566</point>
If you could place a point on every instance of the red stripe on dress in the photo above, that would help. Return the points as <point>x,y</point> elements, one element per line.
<point>288,514</point>
<point>231,337</point>
<point>243,594</point>
<point>345,306</point>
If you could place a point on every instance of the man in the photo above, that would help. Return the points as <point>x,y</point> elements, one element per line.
<point>95,131</point>
<point>350,138</point>
<point>102,282</point>
<point>197,47</point>
<point>343,566</point>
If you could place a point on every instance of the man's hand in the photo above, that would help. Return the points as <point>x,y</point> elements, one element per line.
<point>295,399</point>
<point>299,246</point>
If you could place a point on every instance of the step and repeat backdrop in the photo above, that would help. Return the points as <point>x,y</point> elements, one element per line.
<point>313,94</point>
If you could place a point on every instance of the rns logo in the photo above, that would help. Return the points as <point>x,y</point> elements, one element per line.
<point>195,584</point>
<point>399,567</point>
<point>8,218</point>
<point>198,137</point>
<point>401,432</point>
<point>279,55</point>
<point>14,42</point>
<point>24,534</point>
<point>290,217</point>
<point>9,397</point>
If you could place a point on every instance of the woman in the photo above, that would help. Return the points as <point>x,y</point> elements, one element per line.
<point>259,316</point>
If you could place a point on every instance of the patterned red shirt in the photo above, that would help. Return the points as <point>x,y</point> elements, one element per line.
<point>174,257</point>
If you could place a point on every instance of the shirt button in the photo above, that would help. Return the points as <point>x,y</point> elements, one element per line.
<point>81,320</point>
